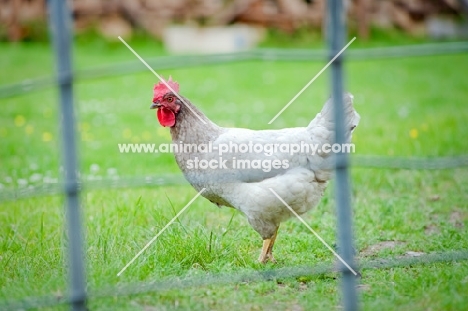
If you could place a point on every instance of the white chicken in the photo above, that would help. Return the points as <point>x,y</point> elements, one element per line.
<point>218,160</point>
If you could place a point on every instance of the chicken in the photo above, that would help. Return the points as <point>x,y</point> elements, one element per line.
<point>245,180</point>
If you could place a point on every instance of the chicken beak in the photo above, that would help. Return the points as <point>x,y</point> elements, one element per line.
<point>155,105</point>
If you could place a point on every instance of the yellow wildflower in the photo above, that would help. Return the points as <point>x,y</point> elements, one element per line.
<point>20,120</point>
<point>46,136</point>
<point>127,133</point>
<point>146,135</point>
<point>84,126</point>
<point>29,129</point>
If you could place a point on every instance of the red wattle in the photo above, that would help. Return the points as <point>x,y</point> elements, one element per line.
<point>166,117</point>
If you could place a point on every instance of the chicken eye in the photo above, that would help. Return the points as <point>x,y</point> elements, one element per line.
<point>170,99</point>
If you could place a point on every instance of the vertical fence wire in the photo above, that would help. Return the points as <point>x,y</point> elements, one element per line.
<point>335,33</point>
<point>60,24</point>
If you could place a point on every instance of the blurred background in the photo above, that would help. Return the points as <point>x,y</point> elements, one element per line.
<point>22,20</point>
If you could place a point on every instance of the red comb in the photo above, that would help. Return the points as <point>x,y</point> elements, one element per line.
<point>161,89</point>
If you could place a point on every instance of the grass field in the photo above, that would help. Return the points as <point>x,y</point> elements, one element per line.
<point>409,107</point>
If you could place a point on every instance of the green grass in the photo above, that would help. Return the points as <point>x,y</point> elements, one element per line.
<point>409,107</point>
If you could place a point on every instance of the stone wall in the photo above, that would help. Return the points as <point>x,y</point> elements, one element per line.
<point>120,17</point>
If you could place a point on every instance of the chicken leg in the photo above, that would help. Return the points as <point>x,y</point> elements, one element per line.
<point>267,249</point>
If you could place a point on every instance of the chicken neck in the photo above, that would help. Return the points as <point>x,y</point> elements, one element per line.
<point>193,127</point>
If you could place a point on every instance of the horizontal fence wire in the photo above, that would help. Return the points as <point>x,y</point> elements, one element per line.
<point>409,163</point>
<point>239,277</point>
<point>361,161</point>
<point>102,184</point>
<point>177,61</point>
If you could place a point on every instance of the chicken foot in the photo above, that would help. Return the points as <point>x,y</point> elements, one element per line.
<point>267,249</point>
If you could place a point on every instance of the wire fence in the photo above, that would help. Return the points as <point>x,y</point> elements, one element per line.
<point>357,161</point>
<point>210,279</point>
<point>286,55</point>
<point>78,297</point>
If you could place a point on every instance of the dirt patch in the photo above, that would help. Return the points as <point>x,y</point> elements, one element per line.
<point>456,219</point>
<point>374,249</point>
<point>364,287</point>
<point>431,229</point>
<point>413,254</point>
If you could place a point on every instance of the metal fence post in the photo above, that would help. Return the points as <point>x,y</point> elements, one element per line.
<point>335,35</point>
<point>61,36</point>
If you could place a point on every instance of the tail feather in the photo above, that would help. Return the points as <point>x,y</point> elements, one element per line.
<point>326,117</point>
